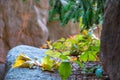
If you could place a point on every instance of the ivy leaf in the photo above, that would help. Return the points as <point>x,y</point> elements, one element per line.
<point>57,45</point>
<point>79,37</point>
<point>47,63</point>
<point>54,54</point>
<point>80,64</point>
<point>92,57</point>
<point>84,57</point>
<point>66,53</point>
<point>88,56</point>
<point>65,70</point>
<point>63,57</point>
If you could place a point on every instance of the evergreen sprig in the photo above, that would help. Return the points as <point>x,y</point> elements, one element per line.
<point>91,11</point>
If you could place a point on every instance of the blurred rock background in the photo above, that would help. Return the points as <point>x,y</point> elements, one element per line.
<point>27,23</point>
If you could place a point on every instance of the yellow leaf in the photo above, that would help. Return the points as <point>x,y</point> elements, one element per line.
<point>23,57</point>
<point>27,64</point>
<point>20,60</point>
<point>45,46</point>
<point>49,44</point>
<point>85,32</point>
<point>47,63</point>
<point>56,65</point>
<point>18,63</point>
<point>72,59</point>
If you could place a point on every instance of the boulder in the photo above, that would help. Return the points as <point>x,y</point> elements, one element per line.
<point>26,23</point>
<point>56,31</point>
<point>37,73</point>
<point>26,73</point>
<point>22,23</point>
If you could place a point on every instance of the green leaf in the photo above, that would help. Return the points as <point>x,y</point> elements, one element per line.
<point>47,63</point>
<point>54,54</point>
<point>84,57</point>
<point>63,57</point>
<point>79,37</point>
<point>66,53</point>
<point>80,64</point>
<point>65,70</point>
<point>88,56</point>
<point>92,57</point>
<point>57,45</point>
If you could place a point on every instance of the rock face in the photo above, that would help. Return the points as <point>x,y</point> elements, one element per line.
<point>26,23</point>
<point>56,31</point>
<point>38,73</point>
<point>26,73</point>
<point>110,39</point>
<point>22,23</point>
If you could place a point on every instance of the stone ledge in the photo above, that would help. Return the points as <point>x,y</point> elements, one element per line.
<point>26,73</point>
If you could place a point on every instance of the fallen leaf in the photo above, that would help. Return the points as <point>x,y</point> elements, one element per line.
<point>23,61</point>
<point>47,63</point>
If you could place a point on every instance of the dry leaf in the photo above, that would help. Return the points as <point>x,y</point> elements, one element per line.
<point>23,61</point>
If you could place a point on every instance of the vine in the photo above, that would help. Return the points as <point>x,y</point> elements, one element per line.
<point>77,49</point>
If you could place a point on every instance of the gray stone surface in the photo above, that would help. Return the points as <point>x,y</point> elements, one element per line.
<point>36,73</point>
<point>26,73</point>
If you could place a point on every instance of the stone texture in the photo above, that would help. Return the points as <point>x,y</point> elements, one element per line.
<point>56,31</point>
<point>26,73</point>
<point>37,73</point>
<point>32,74</point>
<point>26,23</point>
<point>22,23</point>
